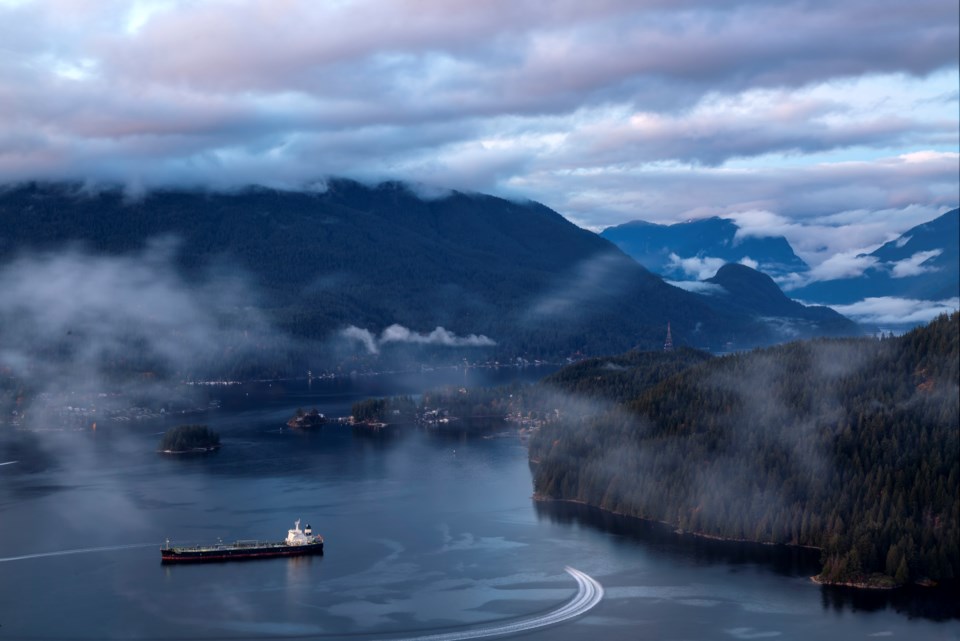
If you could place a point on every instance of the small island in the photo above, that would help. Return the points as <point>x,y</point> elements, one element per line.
<point>188,439</point>
<point>303,419</point>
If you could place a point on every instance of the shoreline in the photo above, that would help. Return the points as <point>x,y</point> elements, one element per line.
<point>859,585</point>
<point>195,450</point>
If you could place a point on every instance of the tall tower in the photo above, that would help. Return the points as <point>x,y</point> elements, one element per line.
<point>668,344</point>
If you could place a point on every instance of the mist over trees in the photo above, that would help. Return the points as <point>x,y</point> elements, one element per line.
<point>288,269</point>
<point>847,445</point>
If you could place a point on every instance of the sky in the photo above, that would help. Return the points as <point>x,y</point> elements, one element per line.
<point>832,123</point>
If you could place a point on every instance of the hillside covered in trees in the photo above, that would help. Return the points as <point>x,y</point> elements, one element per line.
<point>621,378</point>
<point>316,262</point>
<point>847,445</point>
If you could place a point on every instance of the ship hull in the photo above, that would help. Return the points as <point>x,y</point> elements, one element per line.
<point>237,553</point>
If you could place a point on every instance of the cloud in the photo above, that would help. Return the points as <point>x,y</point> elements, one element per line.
<point>752,123</point>
<point>399,334</point>
<point>87,337</point>
<point>86,312</point>
<point>851,264</point>
<point>605,111</point>
<point>698,286</point>
<point>843,265</point>
<point>851,232</point>
<point>364,336</point>
<point>914,265</point>
<point>896,311</point>
<point>439,336</point>
<point>571,293</point>
<point>821,207</point>
<point>699,267</point>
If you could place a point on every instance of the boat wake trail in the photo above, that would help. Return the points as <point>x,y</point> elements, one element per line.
<point>589,594</point>
<point>8,463</point>
<point>108,548</point>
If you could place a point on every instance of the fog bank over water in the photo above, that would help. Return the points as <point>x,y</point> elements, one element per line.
<point>93,324</point>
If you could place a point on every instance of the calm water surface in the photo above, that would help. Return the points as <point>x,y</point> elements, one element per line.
<point>424,535</point>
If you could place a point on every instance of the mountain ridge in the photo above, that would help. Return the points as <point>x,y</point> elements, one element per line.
<point>660,248</point>
<point>749,290</point>
<point>922,263</point>
<point>373,257</point>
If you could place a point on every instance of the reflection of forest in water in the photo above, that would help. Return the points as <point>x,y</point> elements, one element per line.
<point>937,604</point>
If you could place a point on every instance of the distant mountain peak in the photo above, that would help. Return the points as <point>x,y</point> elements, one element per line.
<point>752,287</point>
<point>735,276</point>
<point>748,290</point>
<point>681,251</point>
<point>376,256</point>
<point>923,263</point>
<point>939,233</point>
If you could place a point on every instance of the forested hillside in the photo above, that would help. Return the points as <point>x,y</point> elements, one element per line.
<point>621,378</point>
<point>316,262</point>
<point>847,445</point>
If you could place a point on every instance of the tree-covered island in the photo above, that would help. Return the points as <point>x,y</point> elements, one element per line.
<point>304,420</point>
<point>378,413</point>
<point>184,439</point>
<point>450,409</point>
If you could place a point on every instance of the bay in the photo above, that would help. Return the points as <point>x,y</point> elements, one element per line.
<point>424,535</point>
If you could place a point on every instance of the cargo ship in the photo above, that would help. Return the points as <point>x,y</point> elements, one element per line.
<point>298,542</point>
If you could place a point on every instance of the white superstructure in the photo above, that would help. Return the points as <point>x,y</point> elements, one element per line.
<point>296,536</point>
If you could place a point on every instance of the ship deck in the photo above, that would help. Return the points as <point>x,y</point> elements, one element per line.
<point>236,545</point>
